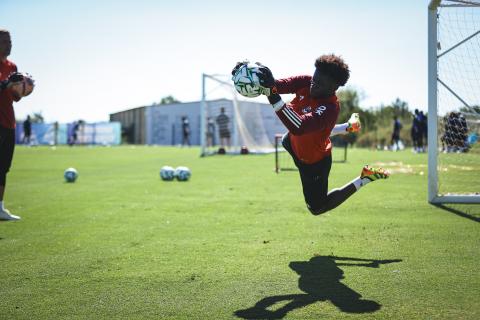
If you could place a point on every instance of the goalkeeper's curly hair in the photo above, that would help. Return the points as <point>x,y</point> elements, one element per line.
<point>335,67</point>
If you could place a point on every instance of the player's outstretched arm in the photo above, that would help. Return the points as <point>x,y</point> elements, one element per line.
<point>353,125</point>
<point>297,124</point>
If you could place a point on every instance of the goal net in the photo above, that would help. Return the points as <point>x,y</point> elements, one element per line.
<point>454,101</point>
<point>233,124</point>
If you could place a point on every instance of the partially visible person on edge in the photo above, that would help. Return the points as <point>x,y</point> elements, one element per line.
<point>13,86</point>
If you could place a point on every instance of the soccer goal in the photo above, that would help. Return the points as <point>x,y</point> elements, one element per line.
<point>453,101</point>
<point>233,124</point>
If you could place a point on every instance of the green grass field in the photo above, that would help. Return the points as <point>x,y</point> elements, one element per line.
<point>236,241</point>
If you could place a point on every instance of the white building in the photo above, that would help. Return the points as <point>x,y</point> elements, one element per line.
<point>162,124</point>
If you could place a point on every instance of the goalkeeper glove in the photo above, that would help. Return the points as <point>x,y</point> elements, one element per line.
<point>354,124</point>
<point>12,79</point>
<point>238,66</point>
<point>267,81</point>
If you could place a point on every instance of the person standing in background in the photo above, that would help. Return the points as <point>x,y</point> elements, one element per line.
<point>397,126</point>
<point>424,129</point>
<point>185,131</point>
<point>74,137</point>
<point>210,132</point>
<point>27,130</point>
<point>223,128</point>
<point>415,131</point>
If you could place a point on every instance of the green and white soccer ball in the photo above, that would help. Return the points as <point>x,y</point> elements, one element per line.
<point>167,173</point>
<point>70,175</point>
<point>246,80</point>
<point>182,173</point>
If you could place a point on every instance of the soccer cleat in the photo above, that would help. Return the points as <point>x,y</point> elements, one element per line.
<point>354,124</point>
<point>6,215</point>
<point>373,174</point>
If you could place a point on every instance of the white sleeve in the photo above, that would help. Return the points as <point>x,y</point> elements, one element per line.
<point>339,129</point>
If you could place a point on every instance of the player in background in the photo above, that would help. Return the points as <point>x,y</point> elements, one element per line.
<point>397,126</point>
<point>415,131</point>
<point>13,86</point>
<point>310,118</point>
<point>27,130</point>
<point>223,128</point>
<point>185,131</point>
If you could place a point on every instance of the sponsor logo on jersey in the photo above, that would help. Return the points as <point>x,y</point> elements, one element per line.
<point>307,109</point>
<point>320,110</point>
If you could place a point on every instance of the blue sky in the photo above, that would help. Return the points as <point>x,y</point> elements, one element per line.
<point>92,58</point>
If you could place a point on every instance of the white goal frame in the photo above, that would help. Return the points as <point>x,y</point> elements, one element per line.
<point>203,113</point>
<point>433,81</point>
<point>251,122</point>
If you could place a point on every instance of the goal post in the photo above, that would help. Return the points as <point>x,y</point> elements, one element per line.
<point>453,101</point>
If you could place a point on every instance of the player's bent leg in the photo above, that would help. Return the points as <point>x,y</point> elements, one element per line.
<point>317,211</point>
<point>333,199</point>
<point>3,182</point>
<point>315,184</point>
<point>337,196</point>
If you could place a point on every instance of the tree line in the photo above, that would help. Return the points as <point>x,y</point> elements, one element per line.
<point>377,123</point>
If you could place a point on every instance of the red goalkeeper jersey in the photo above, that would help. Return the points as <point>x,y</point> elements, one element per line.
<point>7,116</point>
<point>308,120</point>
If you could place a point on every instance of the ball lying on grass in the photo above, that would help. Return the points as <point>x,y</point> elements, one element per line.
<point>182,173</point>
<point>70,175</point>
<point>167,173</point>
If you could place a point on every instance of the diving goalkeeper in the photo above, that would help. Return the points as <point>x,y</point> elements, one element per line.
<point>310,118</point>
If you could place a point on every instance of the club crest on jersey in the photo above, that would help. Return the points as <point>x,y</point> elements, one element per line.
<point>320,110</point>
<point>307,109</point>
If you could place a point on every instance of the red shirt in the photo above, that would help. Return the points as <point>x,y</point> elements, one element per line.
<point>308,120</point>
<point>7,115</point>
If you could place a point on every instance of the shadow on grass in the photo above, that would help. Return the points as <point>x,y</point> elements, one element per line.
<point>320,280</point>
<point>462,212</point>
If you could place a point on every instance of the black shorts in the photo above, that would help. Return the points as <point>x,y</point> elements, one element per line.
<point>7,145</point>
<point>314,177</point>
<point>224,133</point>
